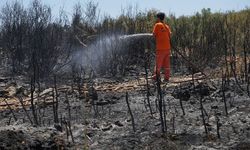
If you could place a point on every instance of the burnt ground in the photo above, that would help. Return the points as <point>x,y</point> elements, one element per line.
<point>110,126</point>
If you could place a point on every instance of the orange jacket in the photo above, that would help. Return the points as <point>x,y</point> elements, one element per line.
<point>162,34</point>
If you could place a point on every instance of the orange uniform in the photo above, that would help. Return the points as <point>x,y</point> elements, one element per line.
<point>162,34</point>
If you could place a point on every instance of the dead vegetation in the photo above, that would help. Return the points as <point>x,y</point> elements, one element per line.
<point>85,84</point>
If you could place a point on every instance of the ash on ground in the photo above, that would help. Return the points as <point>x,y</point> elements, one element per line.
<point>104,122</point>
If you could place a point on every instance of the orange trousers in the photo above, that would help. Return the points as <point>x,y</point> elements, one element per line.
<point>162,61</point>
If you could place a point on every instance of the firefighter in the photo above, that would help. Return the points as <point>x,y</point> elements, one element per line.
<point>162,33</point>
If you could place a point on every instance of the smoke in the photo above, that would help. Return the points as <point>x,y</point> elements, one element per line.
<point>93,55</point>
<point>101,52</point>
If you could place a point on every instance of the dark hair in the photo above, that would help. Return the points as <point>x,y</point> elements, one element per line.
<point>160,15</point>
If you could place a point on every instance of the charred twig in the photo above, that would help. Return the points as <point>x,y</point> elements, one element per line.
<point>130,112</point>
<point>182,95</point>
<point>223,95</point>
<point>248,84</point>
<point>53,106</point>
<point>8,123</point>
<point>69,117</point>
<point>67,129</point>
<point>203,117</point>
<point>44,108</point>
<point>218,125</point>
<point>245,62</point>
<point>26,112</point>
<point>55,101</point>
<point>202,113</point>
<point>235,76</point>
<point>70,131</point>
<point>94,98</point>
<point>160,101</point>
<point>68,106</point>
<point>182,108</point>
<point>173,123</point>
<point>12,112</point>
<point>148,89</point>
<point>32,90</point>
<point>164,114</point>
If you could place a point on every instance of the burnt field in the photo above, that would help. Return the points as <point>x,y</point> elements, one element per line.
<point>84,80</point>
<point>98,117</point>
